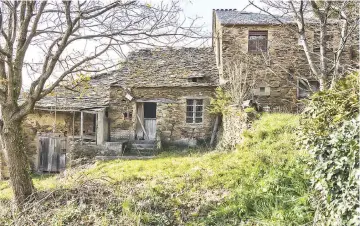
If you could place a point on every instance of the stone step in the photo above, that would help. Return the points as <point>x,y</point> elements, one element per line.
<point>143,146</point>
<point>143,142</point>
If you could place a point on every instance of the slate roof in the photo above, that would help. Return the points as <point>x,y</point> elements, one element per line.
<point>169,67</point>
<point>233,17</point>
<point>143,68</point>
<point>95,94</point>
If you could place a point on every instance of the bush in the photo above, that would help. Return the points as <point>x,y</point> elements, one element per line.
<point>330,131</point>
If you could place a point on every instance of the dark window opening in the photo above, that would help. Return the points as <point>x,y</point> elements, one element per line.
<point>291,73</point>
<point>194,79</point>
<point>329,38</point>
<point>94,123</point>
<point>306,88</point>
<point>149,110</point>
<point>354,52</point>
<point>257,41</point>
<point>194,111</point>
<point>127,115</point>
<point>262,89</point>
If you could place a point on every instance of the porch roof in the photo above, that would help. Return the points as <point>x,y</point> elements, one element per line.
<point>92,95</point>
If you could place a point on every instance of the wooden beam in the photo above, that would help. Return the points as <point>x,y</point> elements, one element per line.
<point>213,135</point>
<point>81,126</point>
<point>142,126</point>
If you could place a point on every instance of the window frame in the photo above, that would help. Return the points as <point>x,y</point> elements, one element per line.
<point>258,33</point>
<point>194,105</point>
<point>308,92</point>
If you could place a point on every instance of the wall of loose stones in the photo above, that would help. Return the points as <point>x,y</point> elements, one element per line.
<point>234,122</point>
<point>171,112</point>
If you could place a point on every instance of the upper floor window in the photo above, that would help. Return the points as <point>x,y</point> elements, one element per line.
<point>194,110</point>
<point>306,88</point>
<point>258,41</point>
<point>329,39</point>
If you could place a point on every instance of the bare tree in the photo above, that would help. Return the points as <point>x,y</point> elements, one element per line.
<point>241,77</point>
<point>50,41</point>
<point>341,16</point>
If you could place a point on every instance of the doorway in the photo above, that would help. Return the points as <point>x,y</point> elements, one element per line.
<point>146,126</point>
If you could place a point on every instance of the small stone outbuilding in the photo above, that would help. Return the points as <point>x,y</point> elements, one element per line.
<point>164,93</point>
<point>158,94</point>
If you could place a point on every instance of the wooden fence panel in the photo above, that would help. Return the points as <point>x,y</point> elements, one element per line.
<point>52,154</point>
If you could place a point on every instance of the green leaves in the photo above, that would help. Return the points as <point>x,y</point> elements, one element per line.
<point>330,132</point>
<point>220,103</point>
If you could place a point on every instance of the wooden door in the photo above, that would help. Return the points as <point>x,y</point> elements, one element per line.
<point>150,120</point>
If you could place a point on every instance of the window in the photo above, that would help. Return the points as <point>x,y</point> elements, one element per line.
<point>354,52</point>
<point>127,116</point>
<point>329,39</point>
<point>306,88</point>
<point>195,79</point>
<point>262,90</point>
<point>194,111</point>
<point>257,41</point>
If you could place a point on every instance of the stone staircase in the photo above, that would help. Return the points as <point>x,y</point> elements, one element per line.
<point>115,149</point>
<point>143,147</point>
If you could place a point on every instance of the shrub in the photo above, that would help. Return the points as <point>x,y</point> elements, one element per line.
<point>330,131</point>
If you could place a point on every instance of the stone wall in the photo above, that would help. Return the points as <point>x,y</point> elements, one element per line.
<point>234,122</point>
<point>279,68</point>
<point>170,112</point>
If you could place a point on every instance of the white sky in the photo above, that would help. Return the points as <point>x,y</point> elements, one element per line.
<point>192,9</point>
<point>204,8</point>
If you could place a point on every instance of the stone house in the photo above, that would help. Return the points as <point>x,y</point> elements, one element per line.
<point>163,94</point>
<point>158,94</point>
<point>274,55</point>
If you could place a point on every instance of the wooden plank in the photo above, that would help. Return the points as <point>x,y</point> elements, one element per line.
<point>81,126</point>
<point>51,149</point>
<point>140,118</point>
<point>44,153</point>
<point>150,128</point>
<point>215,129</point>
<point>142,126</point>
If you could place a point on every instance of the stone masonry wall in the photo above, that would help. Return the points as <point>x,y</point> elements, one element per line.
<point>234,122</point>
<point>170,112</point>
<point>279,68</point>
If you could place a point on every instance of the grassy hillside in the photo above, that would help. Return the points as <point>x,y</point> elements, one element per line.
<point>261,183</point>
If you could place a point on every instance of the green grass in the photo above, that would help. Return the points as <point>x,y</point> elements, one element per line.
<point>261,183</point>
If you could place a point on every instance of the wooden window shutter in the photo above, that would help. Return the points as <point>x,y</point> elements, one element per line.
<point>257,41</point>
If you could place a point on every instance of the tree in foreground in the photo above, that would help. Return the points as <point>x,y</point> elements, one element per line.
<point>50,41</point>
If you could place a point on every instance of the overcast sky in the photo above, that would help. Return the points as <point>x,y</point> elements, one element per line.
<point>192,9</point>
<point>204,8</point>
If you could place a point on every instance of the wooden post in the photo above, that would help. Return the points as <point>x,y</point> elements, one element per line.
<point>213,135</point>
<point>142,127</point>
<point>81,126</point>
<point>73,125</point>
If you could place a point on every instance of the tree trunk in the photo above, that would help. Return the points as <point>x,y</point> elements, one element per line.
<point>17,161</point>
